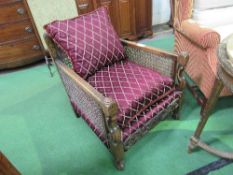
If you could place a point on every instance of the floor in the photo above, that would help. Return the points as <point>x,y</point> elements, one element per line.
<point>162,28</point>
<point>40,133</point>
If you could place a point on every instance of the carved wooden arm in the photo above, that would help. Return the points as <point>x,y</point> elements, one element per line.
<point>156,59</point>
<point>182,62</point>
<point>156,51</point>
<point>107,104</point>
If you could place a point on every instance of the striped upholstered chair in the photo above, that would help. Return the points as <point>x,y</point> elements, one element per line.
<point>120,88</point>
<point>199,27</point>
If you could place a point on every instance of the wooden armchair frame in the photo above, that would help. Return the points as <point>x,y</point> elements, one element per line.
<point>108,107</point>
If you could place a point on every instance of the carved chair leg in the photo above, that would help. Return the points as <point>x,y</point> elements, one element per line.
<point>205,113</point>
<point>116,146</point>
<point>118,154</point>
<point>208,107</point>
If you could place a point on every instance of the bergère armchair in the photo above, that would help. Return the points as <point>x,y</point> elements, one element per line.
<point>199,28</point>
<point>120,88</point>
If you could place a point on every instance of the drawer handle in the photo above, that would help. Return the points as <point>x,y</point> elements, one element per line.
<point>83,6</point>
<point>28,29</point>
<point>35,47</point>
<point>20,11</point>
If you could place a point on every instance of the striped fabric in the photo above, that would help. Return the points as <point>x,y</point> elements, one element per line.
<point>202,64</point>
<point>201,43</point>
<point>205,37</point>
<point>183,11</point>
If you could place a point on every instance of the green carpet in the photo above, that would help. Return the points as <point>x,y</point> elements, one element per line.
<point>40,133</point>
<point>165,42</point>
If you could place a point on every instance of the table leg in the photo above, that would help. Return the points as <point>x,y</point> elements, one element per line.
<point>205,113</point>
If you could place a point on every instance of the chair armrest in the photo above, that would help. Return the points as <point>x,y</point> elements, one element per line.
<point>202,36</point>
<point>156,59</point>
<point>108,105</point>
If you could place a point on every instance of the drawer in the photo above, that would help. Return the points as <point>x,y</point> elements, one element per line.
<point>22,50</point>
<point>15,31</point>
<point>12,12</point>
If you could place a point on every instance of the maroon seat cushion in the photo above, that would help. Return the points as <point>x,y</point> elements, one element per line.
<point>89,40</point>
<point>149,114</point>
<point>134,87</point>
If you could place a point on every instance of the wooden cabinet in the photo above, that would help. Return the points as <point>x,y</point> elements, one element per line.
<point>19,40</point>
<point>132,19</point>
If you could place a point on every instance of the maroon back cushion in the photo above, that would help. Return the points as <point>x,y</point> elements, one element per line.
<point>89,40</point>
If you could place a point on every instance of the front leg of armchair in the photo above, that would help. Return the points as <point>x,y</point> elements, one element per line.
<point>181,83</point>
<point>114,132</point>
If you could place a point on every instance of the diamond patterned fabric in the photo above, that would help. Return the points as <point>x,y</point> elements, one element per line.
<point>89,40</point>
<point>134,87</point>
<point>150,114</point>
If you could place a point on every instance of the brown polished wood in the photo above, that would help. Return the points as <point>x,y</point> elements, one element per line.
<point>14,11</point>
<point>20,43</point>
<point>85,6</point>
<point>143,20</point>
<point>16,30</point>
<point>131,19</point>
<point>6,168</point>
<point>172,7</point>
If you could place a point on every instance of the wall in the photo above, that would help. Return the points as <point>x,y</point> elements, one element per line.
<point>45,11</point>
<point>161,11</point>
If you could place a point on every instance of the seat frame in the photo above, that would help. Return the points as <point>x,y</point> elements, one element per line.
<point>150,57</point>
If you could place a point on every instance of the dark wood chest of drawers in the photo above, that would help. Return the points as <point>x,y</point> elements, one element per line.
<point>19,40</point>
<point>131,19</point>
